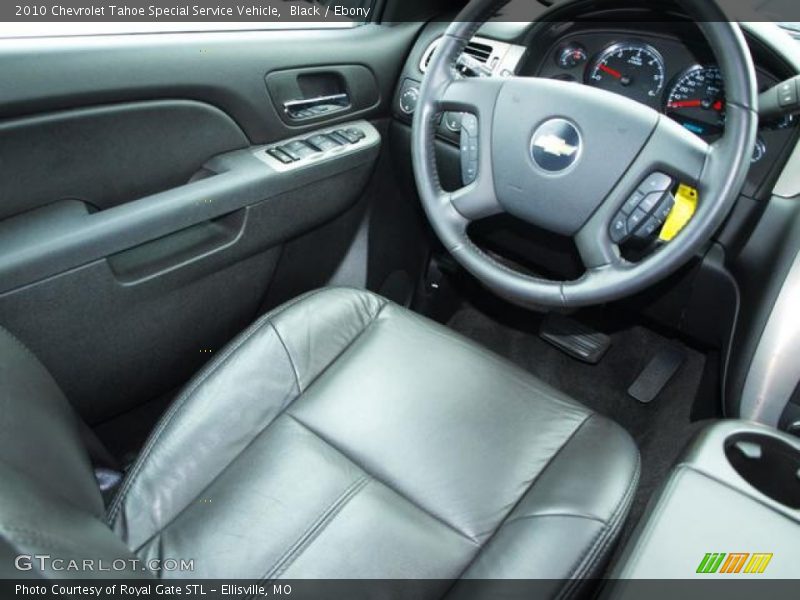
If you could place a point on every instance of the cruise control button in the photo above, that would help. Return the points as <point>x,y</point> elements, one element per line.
<point>619,228</point>
<point>663,210</point>
<point>633,202</point>
<point>649,228</point>
<point>651,201</point>
<point>657,182</point>
<point>636,219</point>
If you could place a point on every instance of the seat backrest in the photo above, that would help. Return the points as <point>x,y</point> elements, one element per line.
<point>49,500</point>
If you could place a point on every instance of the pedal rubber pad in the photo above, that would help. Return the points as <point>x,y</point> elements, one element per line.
<point>657,374</point>
<point>574,338</point>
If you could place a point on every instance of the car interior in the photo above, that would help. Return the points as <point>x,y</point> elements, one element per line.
<point>460,291</point>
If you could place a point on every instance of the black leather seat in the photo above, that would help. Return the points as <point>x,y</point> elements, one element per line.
<point>340,436</point>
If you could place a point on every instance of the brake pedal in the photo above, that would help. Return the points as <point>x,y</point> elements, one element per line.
<point>574,338</point>
<point>657,374</point>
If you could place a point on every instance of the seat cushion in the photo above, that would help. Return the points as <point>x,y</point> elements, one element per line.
<point>343,436</point>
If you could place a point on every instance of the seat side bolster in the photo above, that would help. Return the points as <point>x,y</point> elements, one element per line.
<point>232,402</point>
<point>40,434</point>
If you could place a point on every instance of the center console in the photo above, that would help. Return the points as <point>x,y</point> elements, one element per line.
<point>730,509</point>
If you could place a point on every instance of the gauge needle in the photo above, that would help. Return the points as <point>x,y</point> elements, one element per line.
<point>610,71</point>
<point>695,104</point>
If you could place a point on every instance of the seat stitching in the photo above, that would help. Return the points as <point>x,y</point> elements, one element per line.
<point>352,459</point>
<point>178,404</point>
<point>536,478</point>
<point>586,563</point>
<point>555,515</point>
<point>315,529</point>
<point>288,356</point>
<point>341,353</point>
<point>262,431</point>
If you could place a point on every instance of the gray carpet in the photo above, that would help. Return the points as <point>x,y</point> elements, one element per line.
<point>661,429</point>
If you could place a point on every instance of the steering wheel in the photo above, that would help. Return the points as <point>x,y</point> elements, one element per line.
<point>568,157</point>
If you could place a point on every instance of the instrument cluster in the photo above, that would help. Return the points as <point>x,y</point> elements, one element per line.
<point>661,72</point>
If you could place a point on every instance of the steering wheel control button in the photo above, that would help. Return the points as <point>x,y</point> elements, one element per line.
<point>651,201</point>
<point>657,182</point>
<point>556,145</point>
<point>787,93</point>
<point>633,202</point>
<point>469,148</point>
<point>452,121</point>
<point>635,219</point>
<point>619,229</point>
<point>649,229</point>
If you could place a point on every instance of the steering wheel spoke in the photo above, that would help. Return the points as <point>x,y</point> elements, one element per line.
<point>595,247</point>
<point>477,95</point>
<point>475,100</point>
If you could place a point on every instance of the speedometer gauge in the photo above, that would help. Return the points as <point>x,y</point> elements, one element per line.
<point>632,69</point>
<point>697,100</point>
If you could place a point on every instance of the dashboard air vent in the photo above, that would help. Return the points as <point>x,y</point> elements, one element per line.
<point>482,52</point>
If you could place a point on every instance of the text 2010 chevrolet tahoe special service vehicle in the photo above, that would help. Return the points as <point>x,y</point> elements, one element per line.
<point>438,303</point>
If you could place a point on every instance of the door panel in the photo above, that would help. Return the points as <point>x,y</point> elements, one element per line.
<point>109,155</point>
<point>142,226</point>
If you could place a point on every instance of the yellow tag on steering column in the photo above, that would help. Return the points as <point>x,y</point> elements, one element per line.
<point>682,212</point>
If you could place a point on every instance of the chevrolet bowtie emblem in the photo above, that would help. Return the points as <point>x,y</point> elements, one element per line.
<point>552,144</point>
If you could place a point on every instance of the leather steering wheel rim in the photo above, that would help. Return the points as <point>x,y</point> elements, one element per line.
<point>718,171</point>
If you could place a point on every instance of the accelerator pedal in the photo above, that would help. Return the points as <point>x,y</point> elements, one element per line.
<point>574,338</point>
<point>657,374</point>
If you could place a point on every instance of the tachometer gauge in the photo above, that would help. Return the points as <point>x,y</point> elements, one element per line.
<point>697,100</point>
<point>632,69</point>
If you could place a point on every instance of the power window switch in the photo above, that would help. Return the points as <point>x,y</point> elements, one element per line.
<point>323,142</point>
<point>280,156</point>
<point>298,150</point>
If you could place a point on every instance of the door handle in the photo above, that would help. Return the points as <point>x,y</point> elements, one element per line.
<point>307,108</point>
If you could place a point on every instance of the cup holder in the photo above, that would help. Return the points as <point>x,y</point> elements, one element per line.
<point>768,464</point>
